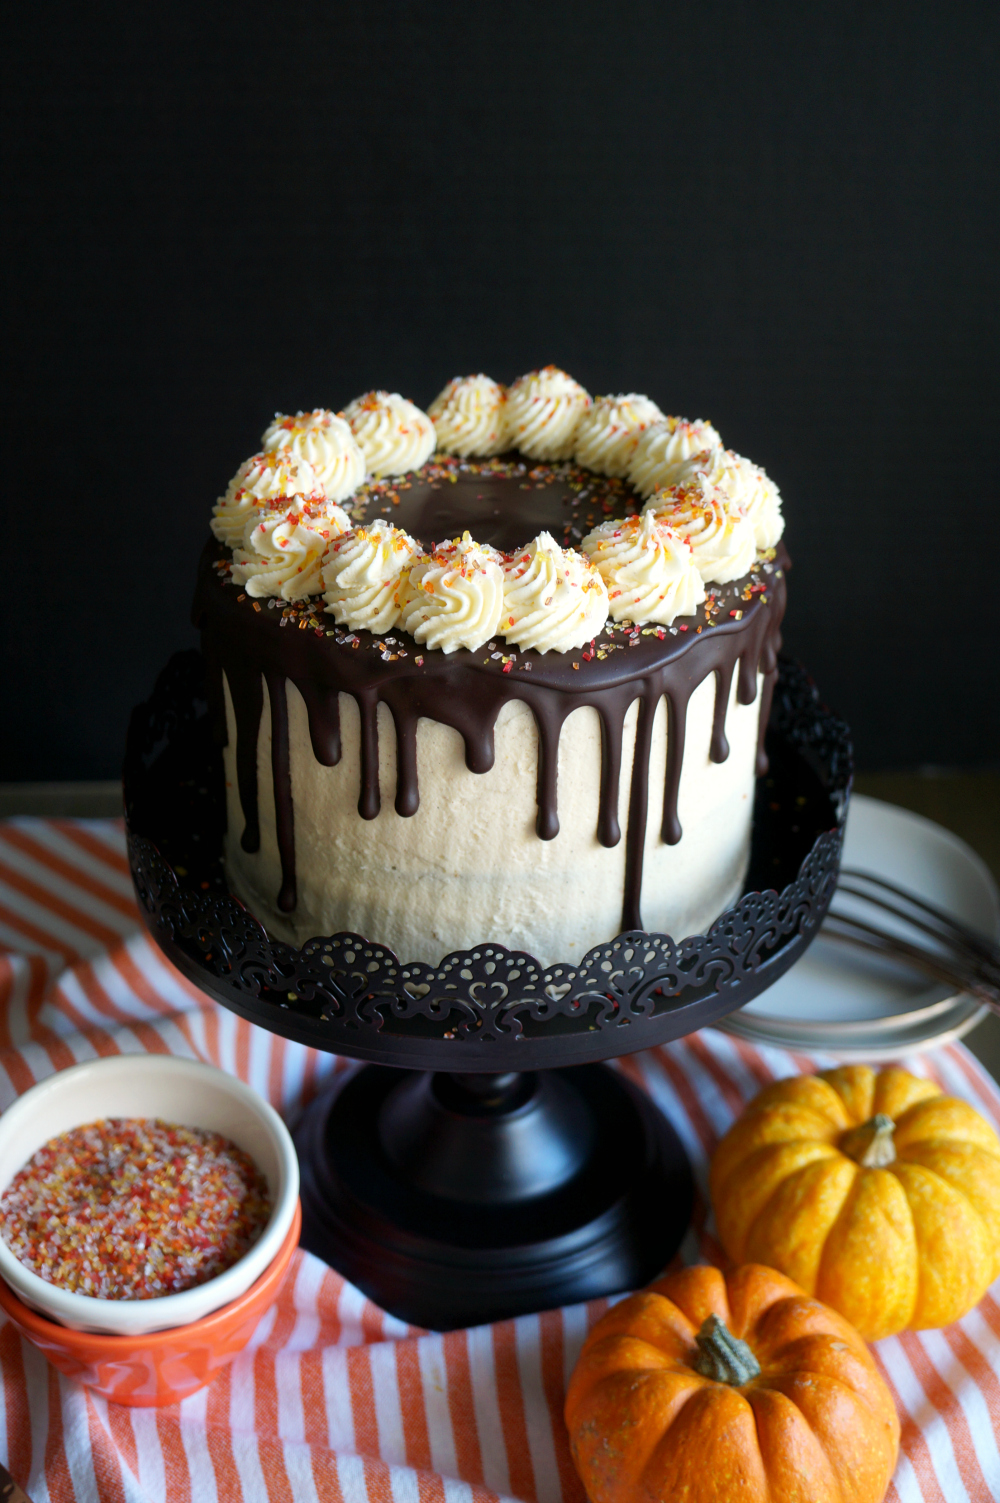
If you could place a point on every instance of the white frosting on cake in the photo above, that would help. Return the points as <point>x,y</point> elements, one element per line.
<point>325,441</point>
<point>283,554</point>
<point>648,568</point>
<point>470,417</point>
<point>720,533</point>
<point>394,435</point>
<point>261,484</point>
<point>663,447</point>
<point>454,597</point>
<point>364,576</point>
<point>544,409</point>
<point>610,429</point>
<point>554,600</point>
<point>469,865</point>
<point>761,500</point>
<point>747,485</point>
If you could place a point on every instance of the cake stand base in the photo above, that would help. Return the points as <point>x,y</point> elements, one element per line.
<point>457,1200</point>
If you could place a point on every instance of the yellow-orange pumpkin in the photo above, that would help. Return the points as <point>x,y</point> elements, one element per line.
<point>875,1192</point>
<point>738,1389</point>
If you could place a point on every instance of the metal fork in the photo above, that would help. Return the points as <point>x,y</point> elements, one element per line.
<point>958,956</point>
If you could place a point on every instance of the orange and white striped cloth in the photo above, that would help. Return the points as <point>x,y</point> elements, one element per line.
<point>334,1399</point>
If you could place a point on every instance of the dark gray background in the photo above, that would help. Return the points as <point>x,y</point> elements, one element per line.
<point>778,216</point>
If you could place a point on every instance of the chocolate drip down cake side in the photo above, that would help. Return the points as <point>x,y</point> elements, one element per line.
<point>499,671</point>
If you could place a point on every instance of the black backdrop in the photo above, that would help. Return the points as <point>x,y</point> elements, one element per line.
<point>779,216</point>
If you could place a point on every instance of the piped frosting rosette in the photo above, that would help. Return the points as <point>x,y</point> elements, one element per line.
<point>719,532</point>
<point>470,417</point>
<point>610,429</point>
<point>261,484</point>
<point>648,568</point>
<point>454,596</point>
<point>544,409</point>
<point>393,434</point>
<point>554,599</point>
<point>664,447</point>
<point>283,554</point>
<point>365,576</point>
<point>747,485</point>
<point>760,498</point>
<point>325,442</point>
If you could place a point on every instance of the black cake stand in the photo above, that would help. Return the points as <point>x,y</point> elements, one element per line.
<point>485,1163</point>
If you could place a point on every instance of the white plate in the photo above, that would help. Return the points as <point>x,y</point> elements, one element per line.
<point>841,1001</point>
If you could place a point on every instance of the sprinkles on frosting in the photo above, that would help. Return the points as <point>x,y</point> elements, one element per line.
<point>550,416</point>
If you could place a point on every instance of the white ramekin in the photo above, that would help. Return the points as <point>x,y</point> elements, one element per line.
<point>177,1090</point>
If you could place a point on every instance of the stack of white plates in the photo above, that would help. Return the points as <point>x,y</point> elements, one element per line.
<point>841,1001</point>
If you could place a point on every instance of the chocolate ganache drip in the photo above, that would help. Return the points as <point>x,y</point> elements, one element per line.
<point>737,630</point>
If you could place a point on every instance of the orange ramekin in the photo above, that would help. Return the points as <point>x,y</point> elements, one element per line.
<point>160,1367</point>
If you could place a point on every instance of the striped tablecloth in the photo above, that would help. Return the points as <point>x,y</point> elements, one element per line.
<point>334,1399</point>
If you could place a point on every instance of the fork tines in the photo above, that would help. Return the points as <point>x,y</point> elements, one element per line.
<point>959,957</point>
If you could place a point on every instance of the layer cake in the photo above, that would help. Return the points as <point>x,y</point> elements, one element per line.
<point>498,671</point>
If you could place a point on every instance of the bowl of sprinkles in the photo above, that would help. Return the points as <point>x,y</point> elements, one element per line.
<point>141,1193</point>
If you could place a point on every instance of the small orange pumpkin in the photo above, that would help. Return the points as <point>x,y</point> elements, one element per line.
<point>875,1192</point>
<point>738,1389</point>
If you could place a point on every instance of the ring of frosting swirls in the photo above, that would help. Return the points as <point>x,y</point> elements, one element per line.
<point>747,485</point>
<point>648,568</point>
<point>454,596</point>
<point>544,409</point>
<point>610,430</point>
<point>720,533</point>
<point>283,554</point>
<point>554,599</point>
<point>261,483</point>
<point>665,446</point>
<point>709,514</point>
<point>470,417</point>
<point>325,441</point>
<point>365,576</point>
<point>393,434</point>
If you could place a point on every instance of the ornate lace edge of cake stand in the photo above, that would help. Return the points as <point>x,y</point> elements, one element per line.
<point>490,1008</point>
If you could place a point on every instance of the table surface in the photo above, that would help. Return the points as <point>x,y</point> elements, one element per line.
<point>334,1399</point>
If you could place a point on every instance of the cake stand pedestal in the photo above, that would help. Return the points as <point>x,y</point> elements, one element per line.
<point>458,1199</point>
<point>486,1162</point>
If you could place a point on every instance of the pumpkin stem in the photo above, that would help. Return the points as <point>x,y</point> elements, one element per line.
<point>871,1145</point>
<point>722,1356</point>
